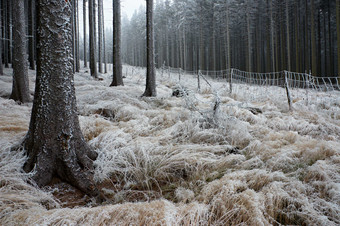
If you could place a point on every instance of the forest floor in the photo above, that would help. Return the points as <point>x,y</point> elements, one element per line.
<point>205,158</point>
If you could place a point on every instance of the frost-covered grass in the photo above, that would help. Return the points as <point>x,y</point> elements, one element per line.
<point>177,161</point>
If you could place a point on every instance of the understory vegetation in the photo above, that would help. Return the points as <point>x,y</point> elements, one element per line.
<point>200,158</point>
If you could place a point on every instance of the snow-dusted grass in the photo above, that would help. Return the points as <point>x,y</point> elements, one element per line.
<point>177,161</point>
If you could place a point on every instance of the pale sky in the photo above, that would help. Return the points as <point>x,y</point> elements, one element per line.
<point>128,7</point>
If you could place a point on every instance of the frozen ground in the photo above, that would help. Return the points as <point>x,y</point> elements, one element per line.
<point>177,161</point>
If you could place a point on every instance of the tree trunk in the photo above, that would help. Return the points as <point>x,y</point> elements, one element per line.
<point>76,22</point>
<point>54,142</point>
<point>150,89</point>
<point>1,66</point>
<point>297,38</point>
<point>117,79</point>
<point>314,54</point>
<point>31,33</point>
<point>6,32</point>
<point>289,68</point>
<point>100,37</point>
<point>307,66</point>
<point>93,63</point>
<point>104,43</point>
<point>20,90</point>
<point>85,35</point>
<point>338,32</point>
<point>9,31</point>
<point>228,37</point>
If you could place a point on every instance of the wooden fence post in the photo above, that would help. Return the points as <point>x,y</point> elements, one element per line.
<point>231,81</point>
<point>198,80</point>
<point>287,90</point>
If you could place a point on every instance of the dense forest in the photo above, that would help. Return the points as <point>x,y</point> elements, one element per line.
<point>258,36</point>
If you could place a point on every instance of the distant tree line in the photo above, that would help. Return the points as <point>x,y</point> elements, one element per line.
<point>251,35</point>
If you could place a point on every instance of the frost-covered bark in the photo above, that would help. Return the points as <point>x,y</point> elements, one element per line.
<point>20,90</point>
<point>117,62</point>
<point>54,142</point>
<point>150,90</point>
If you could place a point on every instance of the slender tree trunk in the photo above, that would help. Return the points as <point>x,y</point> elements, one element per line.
<point>150,89</point>
<point>1,66</point>
<point>307,65</point>
<point>100,37</point>
<point>93,60</point>
<point>314,54</point>
<point>54,142</point>
<point>228,37</point>
<point>297,38</point>
<point>20,89</point>
<point>31,34</point>
<point>77,35</point>
<point>85,35</point>
<point>104,43</point>
<point>6,32</point>
<point>289,68</point>
<point>338,32</point>
<point>117,79</point>
<point>249,43</point>
<point>9,31</point>
<point>330,42</point>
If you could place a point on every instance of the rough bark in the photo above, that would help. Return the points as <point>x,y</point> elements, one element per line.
<point>150,89</point>
<point>117,79</point>
<point>54,142</point>
<point>20,90</point>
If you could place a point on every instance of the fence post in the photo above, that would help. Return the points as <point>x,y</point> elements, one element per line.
<point>198,80</point>
<point>163,66</point>
<point>231,81</point>
<point>179,74</point>
<point>288,92</point>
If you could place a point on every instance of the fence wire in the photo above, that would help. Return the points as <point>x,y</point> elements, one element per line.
<point>284,86</point>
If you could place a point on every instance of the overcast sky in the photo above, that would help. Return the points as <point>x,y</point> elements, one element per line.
<point>128,7</point>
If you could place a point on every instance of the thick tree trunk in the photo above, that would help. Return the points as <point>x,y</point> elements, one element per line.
<point>54,143</point>
<point>20,90</point>
<point>150,90</point>
<point>117,77</point>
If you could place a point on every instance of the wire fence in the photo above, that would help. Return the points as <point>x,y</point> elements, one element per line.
<point>283,86</point>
